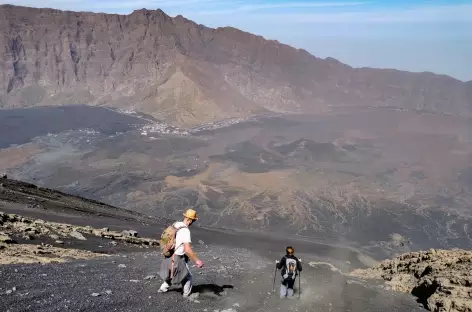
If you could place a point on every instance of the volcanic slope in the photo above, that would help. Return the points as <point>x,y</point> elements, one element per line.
<point>369,179</point>
<point>122,276</point>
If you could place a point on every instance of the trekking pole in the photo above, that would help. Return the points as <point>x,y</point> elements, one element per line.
<point>299,281</point>
<point>275,274</point>
<point>299,285</point>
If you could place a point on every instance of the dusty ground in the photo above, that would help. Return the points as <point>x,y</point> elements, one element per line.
<point>238,272</point>
<point>233,278</point>
<point>347,190</point>
<point>347,177</point>
<point>28,253</point>
<point>15,156</point>
<point>126,282</point>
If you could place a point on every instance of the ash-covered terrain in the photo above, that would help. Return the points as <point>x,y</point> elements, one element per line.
<point>76,265</point>
<point>371,164</point>
<point>347,189</point>
<point>378,180</point>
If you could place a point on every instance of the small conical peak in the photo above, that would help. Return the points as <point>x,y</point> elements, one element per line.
<point>332,59</point>
<point>145,11</point>
<point>181,18</point>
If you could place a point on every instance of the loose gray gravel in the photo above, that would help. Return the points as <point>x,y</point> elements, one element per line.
<point>233,279</point>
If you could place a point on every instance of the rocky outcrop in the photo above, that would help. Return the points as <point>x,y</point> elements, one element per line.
<point>30,229</point>
<point>44,253</point>
<point>187,74</point>
<point>6,239</point>
<point>441,279</point>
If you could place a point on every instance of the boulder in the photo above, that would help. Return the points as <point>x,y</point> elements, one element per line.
<point>440,279</point>
<point>28,236</point>
<point>25,220</point>
<point>130,233</point>
<point>12,217</point>
<point>89,229</point>
<point>6,239</point>
<point>34,206</point>
<point>133,240</point>
<point>77,235</point>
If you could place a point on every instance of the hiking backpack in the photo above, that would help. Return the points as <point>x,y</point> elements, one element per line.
<point>167,242</point>
<point>290,268</point>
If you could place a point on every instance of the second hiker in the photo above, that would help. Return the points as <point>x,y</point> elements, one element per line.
<point>290,266</point>
<point>177,251</point>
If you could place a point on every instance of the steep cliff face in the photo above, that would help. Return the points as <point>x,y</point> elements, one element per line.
<point>186,73</point>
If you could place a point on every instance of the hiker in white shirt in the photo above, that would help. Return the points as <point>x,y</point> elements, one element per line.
<point>179,273</point>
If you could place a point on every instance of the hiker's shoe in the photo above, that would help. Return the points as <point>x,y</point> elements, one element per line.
<point>164,288</point>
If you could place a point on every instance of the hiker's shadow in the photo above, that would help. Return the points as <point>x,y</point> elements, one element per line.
<point>208,290</point>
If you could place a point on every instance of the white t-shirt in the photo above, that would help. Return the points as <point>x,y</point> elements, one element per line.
<point>183,236</point>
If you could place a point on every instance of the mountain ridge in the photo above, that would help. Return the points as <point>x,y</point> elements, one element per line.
<point>126,61</point>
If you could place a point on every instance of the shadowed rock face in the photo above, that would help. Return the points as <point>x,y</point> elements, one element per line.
<point>186,73</point>
<point>441,279</point>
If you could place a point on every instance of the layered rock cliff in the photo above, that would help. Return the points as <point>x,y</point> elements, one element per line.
<point>441,279</point>
<point>186,73</point>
